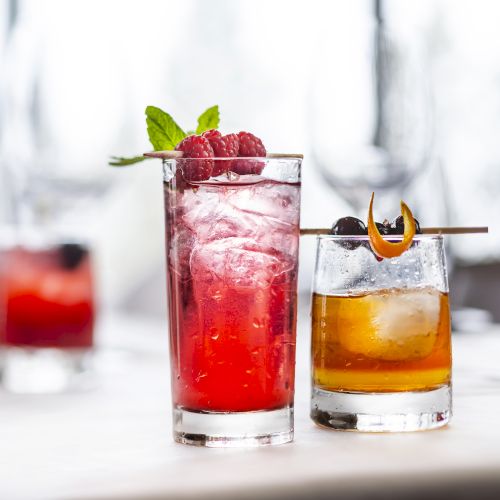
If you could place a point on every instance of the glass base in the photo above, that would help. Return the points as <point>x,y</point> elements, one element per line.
<point>381,412</point>
<point>43,370</point>
<point>226,430</point>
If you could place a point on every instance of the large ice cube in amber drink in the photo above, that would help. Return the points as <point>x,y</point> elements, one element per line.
<point>386,340</point>
<point>392,325</point>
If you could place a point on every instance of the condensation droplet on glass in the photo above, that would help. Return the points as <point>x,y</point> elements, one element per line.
<point>258,323</point>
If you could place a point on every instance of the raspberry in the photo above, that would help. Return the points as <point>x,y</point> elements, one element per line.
<point>212,134</point>
<point>250,146</point>
<point>224,146</point>
<point>199,149</point>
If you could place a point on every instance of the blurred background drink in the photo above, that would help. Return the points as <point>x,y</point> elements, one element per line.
<point>232,250</point>
<point>47,320</point>
<point>381,350</point>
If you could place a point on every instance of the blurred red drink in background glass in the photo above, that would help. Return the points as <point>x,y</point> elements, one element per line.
<point>48,297</point>
<point>48,314</point>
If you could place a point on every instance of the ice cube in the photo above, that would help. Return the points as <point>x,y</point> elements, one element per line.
<point>219,219</point>
<point>393,325</point>
<point>272,199</point>
<point>246,216</point>
<point>238,262</point>
<point>197,207</point>
<point>180,251</point>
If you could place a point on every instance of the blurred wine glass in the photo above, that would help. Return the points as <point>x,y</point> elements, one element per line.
<point>45,175</point>
<point>371,116</point>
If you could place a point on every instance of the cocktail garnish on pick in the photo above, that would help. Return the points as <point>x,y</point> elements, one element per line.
<point>388,249</point>
<point>215,154</point>
<point>165,134</point>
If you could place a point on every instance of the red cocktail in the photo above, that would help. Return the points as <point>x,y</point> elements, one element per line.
<point>47,301</point>
<point>232,234</point>
<point>232,246</point>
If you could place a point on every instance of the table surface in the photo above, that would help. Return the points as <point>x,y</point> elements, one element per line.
<point>115,441</point>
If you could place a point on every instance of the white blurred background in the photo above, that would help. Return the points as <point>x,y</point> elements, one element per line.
<point>398,96</point>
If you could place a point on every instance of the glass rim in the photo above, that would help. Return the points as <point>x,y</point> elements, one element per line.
<point>365,237</point>
<point>232,158</point>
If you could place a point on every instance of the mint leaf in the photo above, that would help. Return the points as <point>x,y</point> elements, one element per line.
<point>121,161</point>
<point>208,119</point>
<point>164,133</point>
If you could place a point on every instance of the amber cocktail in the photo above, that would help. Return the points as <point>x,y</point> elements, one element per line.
<point>381,354</point>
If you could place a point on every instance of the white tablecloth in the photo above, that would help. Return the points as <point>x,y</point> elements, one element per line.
<point>115,441</point>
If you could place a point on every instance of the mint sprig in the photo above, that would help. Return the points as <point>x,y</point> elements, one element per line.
<point>164,133</point>
<point>208,120</point>
<point>122,161</point>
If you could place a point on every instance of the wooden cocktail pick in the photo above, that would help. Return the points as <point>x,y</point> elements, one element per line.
<point>164,155</point>
<point>425,230</point>
<point>173,155</point>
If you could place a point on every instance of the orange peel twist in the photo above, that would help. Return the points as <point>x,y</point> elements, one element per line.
<point>387,249</point>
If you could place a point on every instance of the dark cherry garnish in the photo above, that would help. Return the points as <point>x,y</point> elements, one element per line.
<point>349,226</point>
<point>398,226</point>
<point>71,254</point>
<point>383,228</point>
